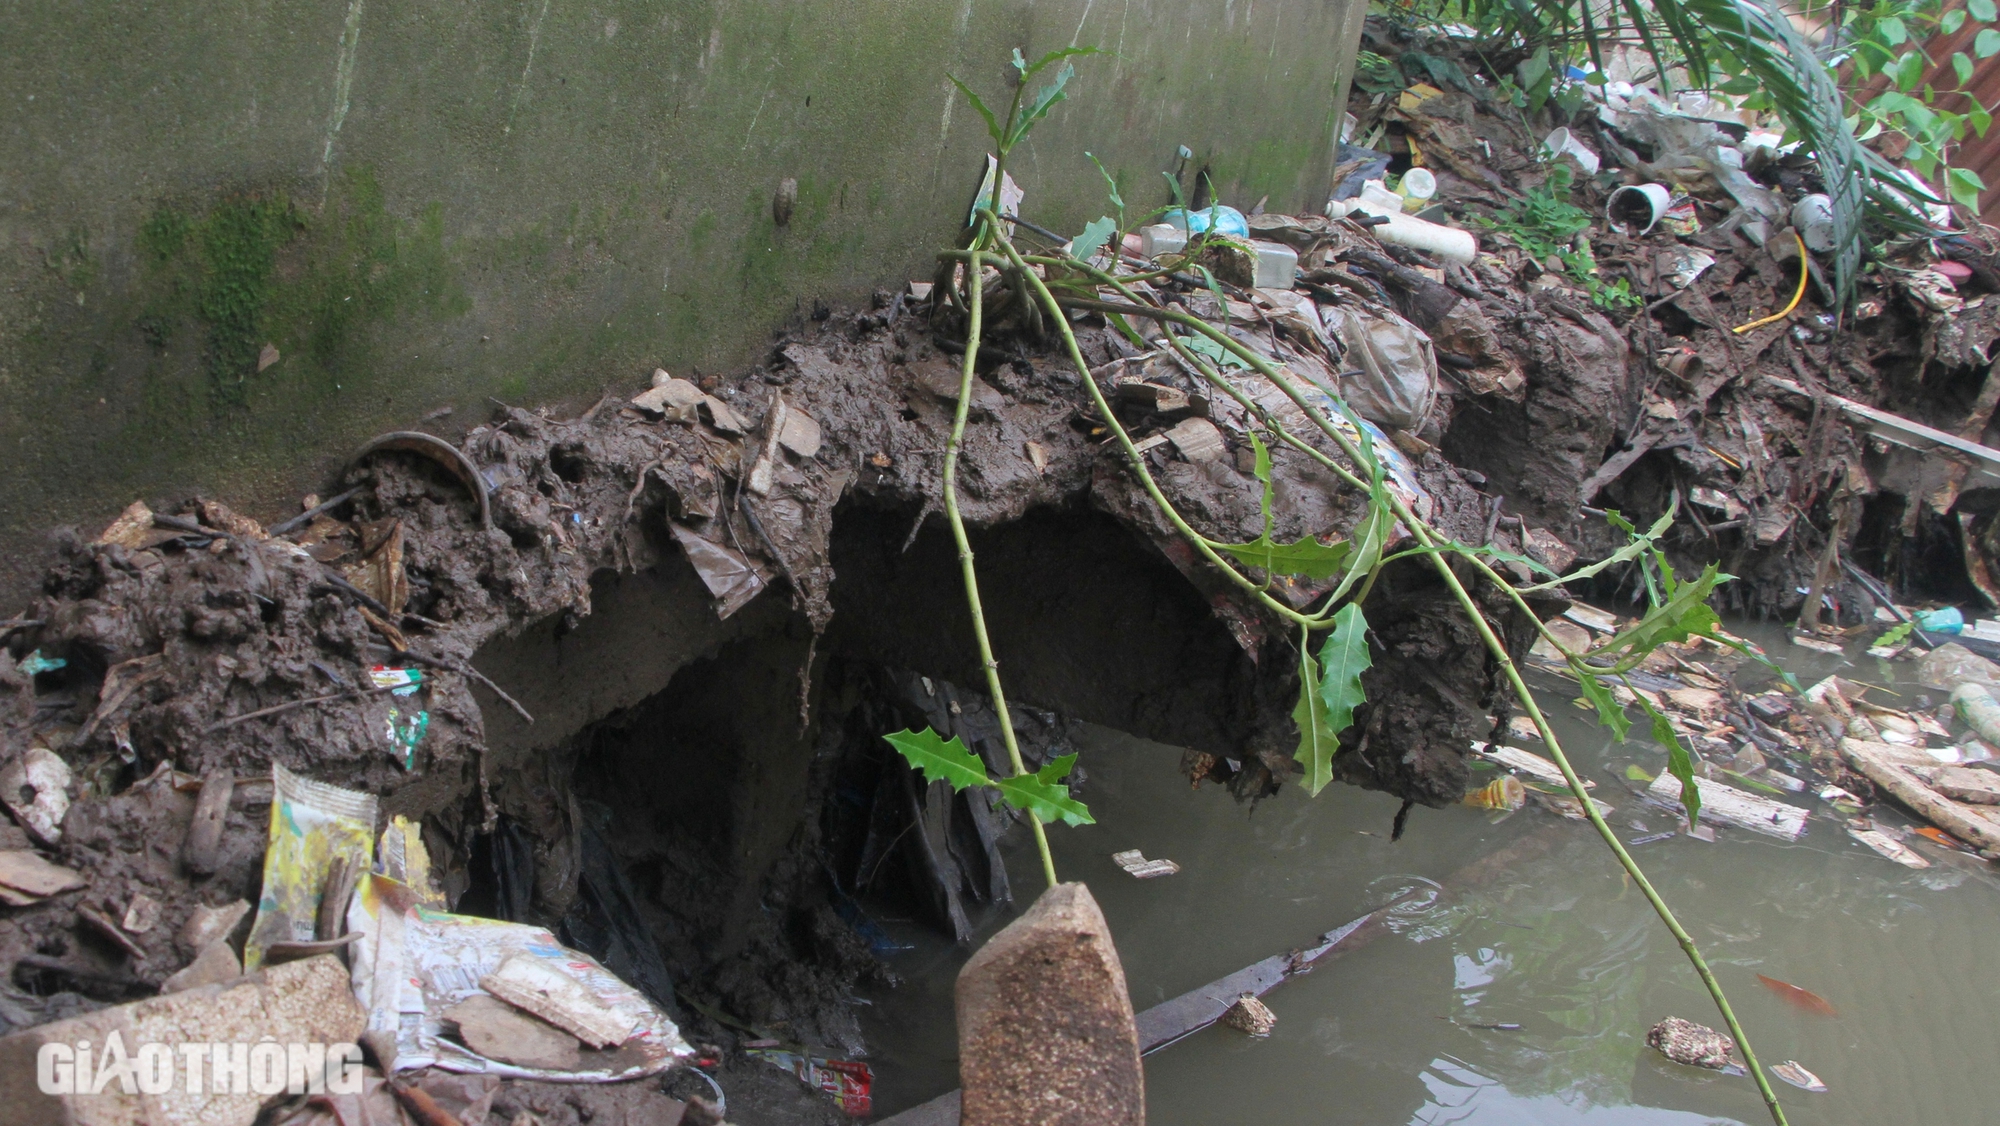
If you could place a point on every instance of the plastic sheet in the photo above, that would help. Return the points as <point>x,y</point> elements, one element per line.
<point>1392,379</point>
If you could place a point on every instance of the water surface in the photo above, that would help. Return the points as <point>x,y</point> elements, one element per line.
<point>1543,930</point>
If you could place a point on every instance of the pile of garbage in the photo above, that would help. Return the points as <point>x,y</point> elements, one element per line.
<point>1631,307</point>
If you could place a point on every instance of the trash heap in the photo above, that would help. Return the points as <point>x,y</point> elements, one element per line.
<point>1631,307</point>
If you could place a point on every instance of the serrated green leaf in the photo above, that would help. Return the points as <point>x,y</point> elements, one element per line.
<point>1093,238</point>
<point>1056,769</point>
<point>1110,183</point>
<point>1307,557</point>
<point>1029,70</point>
<point>1610,712</point>
<point>1045,99</point>
<point>1047,801</point>
<point>1342,660</point>
<point>1317,742</point>
<point>1680,763</point>
<point>992,124</point>
<point>940,760</point>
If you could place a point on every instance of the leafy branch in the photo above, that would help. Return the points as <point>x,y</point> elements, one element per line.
<point>1331,683</point>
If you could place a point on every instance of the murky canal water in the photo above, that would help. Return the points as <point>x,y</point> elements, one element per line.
<point>1549,937</point>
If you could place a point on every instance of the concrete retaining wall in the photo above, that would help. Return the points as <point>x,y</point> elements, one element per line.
<point>237,239</point>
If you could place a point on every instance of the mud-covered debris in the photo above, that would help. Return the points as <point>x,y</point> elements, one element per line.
<point>536,986</point>
<point>35,789</point>
<point>676,399</point>
<point>731,578</point>
<point>216,963</point>
<point>201,848</point>
<point>1696,1045</point>
<point>1251,1015</point>
<point>141,914</point>
<point>1197,439</point>
<point>501,1031</point>
<point>27,878</point>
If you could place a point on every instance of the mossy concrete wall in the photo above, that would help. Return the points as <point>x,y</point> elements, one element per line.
<point>236,240</point>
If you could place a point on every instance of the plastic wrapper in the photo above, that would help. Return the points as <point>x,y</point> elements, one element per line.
<point>311,824</point>
<point>1393,376</point>
<point>850,1082</point>
<point>415,963</point>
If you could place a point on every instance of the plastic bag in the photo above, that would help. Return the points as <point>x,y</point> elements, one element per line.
<point>1392,376</point>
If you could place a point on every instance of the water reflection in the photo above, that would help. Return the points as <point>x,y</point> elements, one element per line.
<point>1460,1094</point>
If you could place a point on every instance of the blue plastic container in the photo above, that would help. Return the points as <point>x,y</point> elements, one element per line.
<point>1947,620</point>
<point>1226,220</point>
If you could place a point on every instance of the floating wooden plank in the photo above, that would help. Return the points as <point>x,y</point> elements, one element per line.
<point>1883,765</point>
<point>1526,762</point>
<point>1890,847</point>
<point>1171,1021</point>
<point>1723,804</point>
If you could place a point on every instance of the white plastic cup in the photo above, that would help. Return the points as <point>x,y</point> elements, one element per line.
<point>1417,188</point>
<point>1812,217</point>
<point>1562,144</point>
<point>1636,208</point>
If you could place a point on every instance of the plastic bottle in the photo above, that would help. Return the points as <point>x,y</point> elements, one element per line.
<point>1225,219</point>
<point>1417,189</point>
<point>1979,709</point>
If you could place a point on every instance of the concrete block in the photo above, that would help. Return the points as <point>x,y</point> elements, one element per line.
<point>1045,1031</point>
<point>298,1003</point>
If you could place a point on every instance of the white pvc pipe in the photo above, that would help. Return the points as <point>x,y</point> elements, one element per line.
<point>1449,243</point>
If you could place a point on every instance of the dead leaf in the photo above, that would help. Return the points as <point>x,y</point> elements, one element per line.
<point>1799,998</point>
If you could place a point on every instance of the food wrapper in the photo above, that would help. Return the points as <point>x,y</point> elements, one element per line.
<point>850,1082</point>
<point>416,962</point>
<point>311,824</point>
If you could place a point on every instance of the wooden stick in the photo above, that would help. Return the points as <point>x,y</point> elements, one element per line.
<point>274,709</point>
<point>1876,762</point>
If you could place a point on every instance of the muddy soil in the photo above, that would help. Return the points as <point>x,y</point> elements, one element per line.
<point>713,614</point>
<point>664,810</point>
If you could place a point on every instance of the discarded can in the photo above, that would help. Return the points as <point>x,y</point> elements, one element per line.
<point>1637,208</point>
<point>1505,793</point>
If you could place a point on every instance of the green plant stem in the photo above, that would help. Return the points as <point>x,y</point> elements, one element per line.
<point>1498,650</point>
<point>1200,542</point>
<point>965,564</point>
